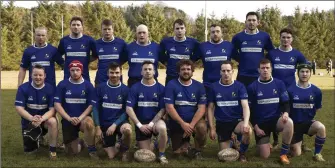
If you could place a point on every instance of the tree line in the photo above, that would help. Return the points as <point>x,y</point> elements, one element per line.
<point>314,30</point>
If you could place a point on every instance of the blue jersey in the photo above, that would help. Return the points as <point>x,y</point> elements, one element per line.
<point>75,97</point>
<point>212,56</point>
<point>137,54</point>
<point>227,100</point>
<point>45,56</point>
<point>185,98</point>
<point>77,49</point>
<point>36,101</point>
<point>146,100</point>
<point>265,99</point>
<point>173,51</point>
<point>111,102</point>
<point>284,64</point>
<point>109,51</point>
<point>249,51</point>
<point>304,102</point>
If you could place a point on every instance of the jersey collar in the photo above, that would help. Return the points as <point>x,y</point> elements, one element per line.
<point>285,51</point>
<point>36,87</point>
<point>245,31</point>
<point>113,86</point>
<point>183,84</point>
<point>216,43</point>
<point>309,85</point>
<point>82,81</point>
<point>148,85</point>
<point>259,80</point>
<point>226,85</point>
<point>113,38</point>
<point>184,39</point>
<point>45,45</point>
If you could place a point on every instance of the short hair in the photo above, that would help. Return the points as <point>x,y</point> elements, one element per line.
<point>179,21</point>
<point>148,63</point>
<point>264,61</point>
<point>286,30</point>
<point>77,18</point>
<point>185,62</point>
<point>107,22</point>
<point>227,62</point>
<point>114,65</point>
<point>38,66</point>
<point>214,25</point>
<point>41,28</point>
<point>252,13</point>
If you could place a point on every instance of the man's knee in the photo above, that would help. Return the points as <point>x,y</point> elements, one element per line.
<point>201,127</point>
<point>321,127</point>
<point>126,129</point>
<point>88,124</point>
<point>52,122</point>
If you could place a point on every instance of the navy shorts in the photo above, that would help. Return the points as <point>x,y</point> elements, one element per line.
<point>300,129</point>
<point>225,129</point>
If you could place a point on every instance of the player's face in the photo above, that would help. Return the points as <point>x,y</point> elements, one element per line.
<point>75,73</point>
<point>185,72</point>
<point>148,71</point>
<point>251,22</point>
<point>286,39</point>
<point>142,36</point>
<point>107,31</point>
<point>114,75</point>
<point>226,72</point>
<point>304,74</point>
<point>76,27</point>
<point>179,30</point>
<point>265,70</point>
<point>40,36</point>
<point>216,34</point>
<point>38,76</point>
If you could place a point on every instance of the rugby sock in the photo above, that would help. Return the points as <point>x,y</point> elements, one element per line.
<point>243,147</point>
<point>284,149</point>
<point>161,154</point>
<point>52,148</point>
<point>318,144</point>
<point>91,148</point>
<point>123,147</point>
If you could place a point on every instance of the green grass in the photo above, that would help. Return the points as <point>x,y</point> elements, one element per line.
<point>12,149</point>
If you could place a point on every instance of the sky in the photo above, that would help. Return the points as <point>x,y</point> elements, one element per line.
<point>237,9</point>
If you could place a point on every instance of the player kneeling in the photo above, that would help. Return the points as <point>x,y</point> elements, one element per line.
<point>109,114</point>
<point>34,103</point>
<point>305,101</point>
<point>73,101</point>
<point>228,103</point>
<point>145,107</point>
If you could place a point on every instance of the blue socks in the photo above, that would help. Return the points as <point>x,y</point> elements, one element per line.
<point>318,144</point>
<point>284,149</point>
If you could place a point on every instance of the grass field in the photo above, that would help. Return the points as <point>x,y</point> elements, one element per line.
<point>12,148</point>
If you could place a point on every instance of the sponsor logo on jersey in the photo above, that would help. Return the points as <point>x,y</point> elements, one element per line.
<point>172,49</point>
<point>69,47</point>
<point>30,98</point>
<point>208,52</point>
<point>101,50</point>
<point>218,95</point>
<point>134,53</point>
<point>244,43</point>
<point>105,96</point>
<point>141,95</point>
<point>179,95</point>
<point>68,92</point>
<point>260,93</point>
<point>296,97</point>
<point>277,59</point>
<point>33,57</point>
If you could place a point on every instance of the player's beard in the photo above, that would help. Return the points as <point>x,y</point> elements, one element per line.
<point>216,40</point>
<point>186,77</point>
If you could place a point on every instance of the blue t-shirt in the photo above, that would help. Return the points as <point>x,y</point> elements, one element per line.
<point>146,100</point>
<point>227,100</point>
<point>36,101</point>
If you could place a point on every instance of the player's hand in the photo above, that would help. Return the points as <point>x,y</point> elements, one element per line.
<point>212,134</point>
<point>145,129</point>
<point>187,129</point>
<point>36,118</point>
<point>111,130</point>
<point>74,121</point>
<point>36,123</point>
<point>259,132</point>
<point>245,128</point>
<point>285,117</point>
<point>98,133</point>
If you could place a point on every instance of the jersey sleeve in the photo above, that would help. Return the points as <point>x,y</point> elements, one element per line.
<point>51,97</point>
<point>98,96</point>
<point>59,93</point>
<point>161,97</point>
<point>242,92</point>
<point>169,94</point>
<point>58,58</point>
<point>61,49</point>
<point>124,55</point>
<point>125,94</point>
<point>284,97</point>
<point>91,95</point>
<point>268,45</point>
<point>162,52</point>
<point>195,55</point>
<point>93,47</point>
<point>301,58</point>
<point>318,99</point>
<point>25,61</point>
<point>132,97</point>
<point>20,99</point>
<point>211,94</point>
<point>202,93</point>
<point>235,51</point>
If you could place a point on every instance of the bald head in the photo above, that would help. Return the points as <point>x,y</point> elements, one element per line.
<point>40,36</point>
<point>142,34</point>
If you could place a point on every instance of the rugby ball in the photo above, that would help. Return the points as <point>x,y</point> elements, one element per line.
<point>228,155</point>
<point>144,155</point>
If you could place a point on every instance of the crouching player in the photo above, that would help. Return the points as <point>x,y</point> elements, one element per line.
<point>269,104</point>
<point>228,103</point>
<point>73,101</point>
<point>305,101</point>
<point>145,107</point>
<point>34,103</point>
<point>110,115</point>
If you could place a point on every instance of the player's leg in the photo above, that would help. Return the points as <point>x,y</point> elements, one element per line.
<point>263,142</point>
<point>224,132</point>
<point>178,142</point>
<point>143,140</point>
<point>71,138</point>
<point>52,125</point>
<point>200,138</point>
<point>88,128</point>
<point>245,140</point>
<point>318,129</point>
<point>160,129</point>
<point>287,133</point>
<point>126,132</point>
<point>109,143</point>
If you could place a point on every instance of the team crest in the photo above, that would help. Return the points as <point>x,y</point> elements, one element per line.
<point>208,52</point>
<point>82,46</point>
<point>260,93</point>
<point>193,96</point>
<point>46,55</point>
<point>218,95</point>
<point>30,98</point>
<point>172,49</point>
<point>33,57</point>
<point>150,53</point>
<point>83,93</point>
<point>115,49</point>
<point>44,98</point>
<point>277,59</point>
<point>223,51</point>
<point>105,96</point>
<point>68,92</point>
<point>203,97</point>
<point>135,53</point>
<point>296,97</point>
<point>179,95</point>
<point>291,59</point>
<point>141,95</point>
<point>311,97</point>
<point>155,95</point>
<point>187,50</point>
<point>69,47</point>
<point>274,91</point>
<point>101,50</point>
<point>233,94</point>
<point>259,42</point>
<point>119,97</point>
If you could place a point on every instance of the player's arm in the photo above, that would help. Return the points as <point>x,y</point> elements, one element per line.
<point>23,113</point>
<point>58,100</point>
<point>20,102</point>
<point>236,46</point>
<point>210,115</point>
<point>59,59</point>
<point>48,114</point>
<point>169,104</point>
<point>158,116</point>
<point>93,48</point>
<point>22,75</point>
<point>196,51</point>
<point>202,100</point>
<point>91,101</point>
<point>162,53</point>
<point>269,45</point>
<point>246,111</point>
<point>25,63</point>
<point>59,108</point>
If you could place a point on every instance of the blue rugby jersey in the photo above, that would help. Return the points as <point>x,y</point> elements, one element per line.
<point>249,49</point>
<point>45,56</point>
<point>284,64</point>
<point>227,100</point>
<point>36,101</point>
<point>137,54</point>
<point>265,99</point>
<point>146,100</point>
<point>185,98</point>
<point>75,97</point>
<point>212,56</point>
<point>304,102</point>
<point>173,51</point>
<point>108,52</point>
<point>111,102</point>
<point>77,49</point>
